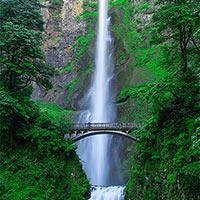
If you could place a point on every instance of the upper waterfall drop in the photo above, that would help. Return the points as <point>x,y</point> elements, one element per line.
<point>101,104</point>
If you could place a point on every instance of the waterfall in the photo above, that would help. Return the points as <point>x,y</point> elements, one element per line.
<point>94,151</point>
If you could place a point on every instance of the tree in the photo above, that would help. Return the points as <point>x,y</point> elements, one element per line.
<point>22,61</point>
<point>178,22</point>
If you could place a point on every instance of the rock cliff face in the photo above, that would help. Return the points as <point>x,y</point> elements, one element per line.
<point>63,26</point>
<point>128,71</point>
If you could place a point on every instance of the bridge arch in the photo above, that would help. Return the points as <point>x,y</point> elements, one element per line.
<point>82,135</point>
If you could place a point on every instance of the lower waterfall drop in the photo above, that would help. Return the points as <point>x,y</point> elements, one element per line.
<point>94,151</point>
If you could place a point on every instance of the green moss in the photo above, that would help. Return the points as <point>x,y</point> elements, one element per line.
<point>68,67</point>
<point>57,16</point>
<point>55,111</point>
<point>53,38</point>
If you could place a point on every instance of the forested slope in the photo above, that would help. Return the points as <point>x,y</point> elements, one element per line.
<point>166,162</point>
<point>36,162</point>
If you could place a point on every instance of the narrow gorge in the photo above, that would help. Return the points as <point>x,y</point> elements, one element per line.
<point>99,99</point>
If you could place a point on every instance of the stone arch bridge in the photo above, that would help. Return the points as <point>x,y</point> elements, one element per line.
<point>79,131</point>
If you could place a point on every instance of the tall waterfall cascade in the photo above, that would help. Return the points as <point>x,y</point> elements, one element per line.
<point>94,151</point>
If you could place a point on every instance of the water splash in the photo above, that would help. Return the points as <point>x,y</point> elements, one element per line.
<point>107,193</point>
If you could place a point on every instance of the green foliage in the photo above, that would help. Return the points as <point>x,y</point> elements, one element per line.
<point>15,116</point>
<point>57,2</point>
<point>165,164</point>
<point>136,60</point>
<point>27,175</point>
<point>57,114</point>
<point>144,6</point>
<point>68,67</point>
<point>178,22</point>
<point>84,45</point>
<point>21,59</point>
<point>79,185</point>
<point>22,12</point>
<point>36,161</point>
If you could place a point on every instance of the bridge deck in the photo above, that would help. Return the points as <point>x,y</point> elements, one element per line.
<point>105,126</point>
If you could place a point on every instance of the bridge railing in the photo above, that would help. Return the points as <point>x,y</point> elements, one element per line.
<point>90,126</point>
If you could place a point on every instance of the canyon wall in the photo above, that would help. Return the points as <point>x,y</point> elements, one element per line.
<point>69,50</point>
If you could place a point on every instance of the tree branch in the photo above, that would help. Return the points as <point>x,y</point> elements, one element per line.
<point>195,44</point>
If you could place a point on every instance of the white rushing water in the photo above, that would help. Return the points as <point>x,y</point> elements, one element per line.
<point>94,151</point>
<point>108,193</point>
